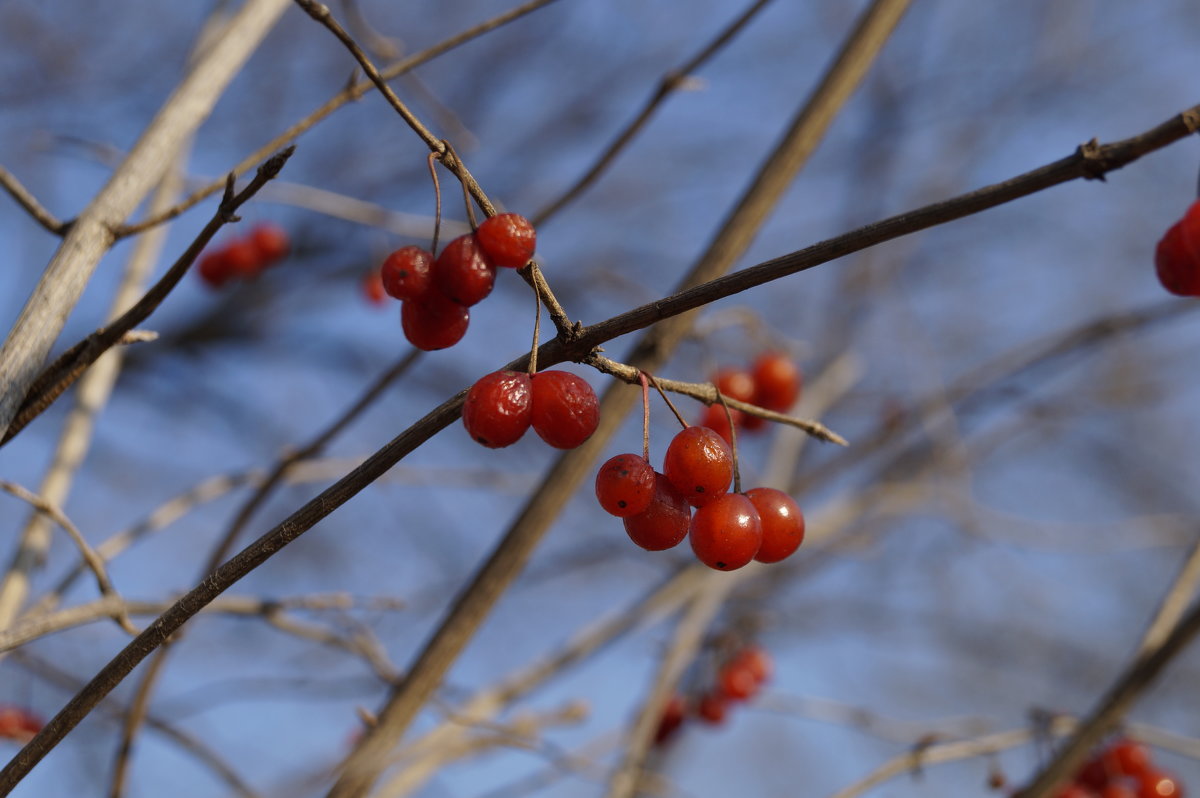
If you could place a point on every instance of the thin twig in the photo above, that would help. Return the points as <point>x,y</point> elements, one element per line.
<point>91,234</point>
<point>440,146</point>
<point>26,200</point>
<point>61,374</point>
<point>93,560</point>
<point>671,82</point>
<point>707,392</point>
<point>737,473</point>
<point>347,95</point>
<point>654,381</point>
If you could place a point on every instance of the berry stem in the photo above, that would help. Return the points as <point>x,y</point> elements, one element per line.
<point>667,399</point>
<point>465,190</point>
<point>737,472</point>
<point>645,416</point>
<point>537,325</point>
<point>437,193</point>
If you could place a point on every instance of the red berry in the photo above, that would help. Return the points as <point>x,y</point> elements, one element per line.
<point>735,384</point>
<point>739,385</point>
<point>565,409</point>
<point>215,269</point>
<point>712,708</point>
<point>508,239</point>
<point>1094,774</point>
<point>699,464</point>
<point>1177,270</point>
<point>756,660</point>
<point>463,272</point>
<point>1127,758</point>
<point>672,719</point>
<point>243,258</point>
<point>1156,784</point>
<point>714,419</point>
<point>372,287</point>
<point>407,273</point>
<point>497,408</point>
<point>737,681</point>
<point>433,321</point>
<point>782,523</point>
<point>625,485</point>
<point>271,243</point>
<point>17,723</point>
<point>776,382</point>
<point>726,533</point>
<point>664,523</point>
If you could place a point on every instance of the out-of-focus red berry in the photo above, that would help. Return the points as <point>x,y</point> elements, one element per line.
<point>714,418</point>
<point>271,243</point>
<point>777,381</point>
<point>672,719</point>
<point>372,288</point>
<point>712,708</point>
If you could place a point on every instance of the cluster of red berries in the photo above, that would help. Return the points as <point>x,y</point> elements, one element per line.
<point>1177,258</point>
<point>772,382</point>
<point>437,293</point>
<point>245,257</point>
<point>1122,770</point>
<point>560,406</point>
<point>739,678</point>
<point>727,531</point>
<point>18,723</point>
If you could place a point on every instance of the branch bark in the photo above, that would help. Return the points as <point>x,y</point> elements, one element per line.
<point>91,235</point>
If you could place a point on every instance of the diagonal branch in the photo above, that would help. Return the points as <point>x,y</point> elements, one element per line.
<point>91,235</point>
<point>64,371</point>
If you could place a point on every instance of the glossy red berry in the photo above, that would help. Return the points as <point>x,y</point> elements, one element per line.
<point>433,321</point>
<point>508,239</point>
<point>714,418</point>
<point>565,409</point>
<point>463,272</point>
<point>270,242</point>
<point>1156,784</point>
<point>776,381</point>
<point>672,719</point>
<point>407,273</point>
<point>712,708</point>
<point>737,681</point>
<point>496,411</point>
<point>664,523</point>
<point>372,288</point>
<point>726,533</point>
<point>782,523</point>
<point>625,485</point>
<point>699,464</point>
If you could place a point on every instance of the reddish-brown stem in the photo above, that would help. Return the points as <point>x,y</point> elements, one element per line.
<point>437,194</point>
<point>737,473</point>
<point>645,416</point>
<point>667,399</point>
<point>465,188</point>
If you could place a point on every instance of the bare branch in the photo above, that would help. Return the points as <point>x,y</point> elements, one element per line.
<point>90,236</point>
<point>26,200</point>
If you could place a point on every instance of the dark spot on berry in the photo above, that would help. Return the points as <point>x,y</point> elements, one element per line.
<point>699,488</point>
<point>621,504</point>
<point>722,566</point>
